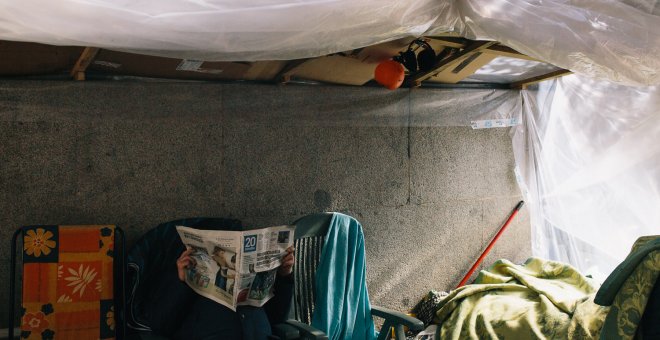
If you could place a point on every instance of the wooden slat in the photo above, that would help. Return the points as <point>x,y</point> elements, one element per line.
<point>522,84</point>
<point>455,42</point>
<point>464,68</point>
<point>264,70</point>
<point>415,79</point>
<point>139,65</point>
<point>505,51</point>
<point>496,49</point>
<point>85,59</point>
<point>27,59</point>
<point>336,69</point>
<point>284,76</point>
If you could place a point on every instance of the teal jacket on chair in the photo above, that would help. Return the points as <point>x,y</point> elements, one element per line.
<point>343,310</point>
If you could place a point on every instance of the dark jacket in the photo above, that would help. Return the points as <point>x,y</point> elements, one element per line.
<point>180,313</point>
<point>159,301</point>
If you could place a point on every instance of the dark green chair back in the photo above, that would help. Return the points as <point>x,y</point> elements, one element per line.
<point>309,238</point>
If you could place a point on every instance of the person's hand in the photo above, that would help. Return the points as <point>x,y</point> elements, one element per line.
<point>184,261</point>
<point>287,263</point>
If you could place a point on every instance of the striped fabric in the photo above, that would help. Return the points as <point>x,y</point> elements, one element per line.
<point>308,256</point>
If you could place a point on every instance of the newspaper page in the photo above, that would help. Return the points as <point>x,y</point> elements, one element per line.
<point>236,268</point>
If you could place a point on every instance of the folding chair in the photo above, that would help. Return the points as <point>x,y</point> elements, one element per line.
<point>310,236</point>
<point>71,284</point>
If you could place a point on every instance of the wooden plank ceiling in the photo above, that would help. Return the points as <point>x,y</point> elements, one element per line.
<point>457,58</point>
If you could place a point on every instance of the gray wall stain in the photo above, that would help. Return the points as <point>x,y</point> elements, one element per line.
<point>322,200</point>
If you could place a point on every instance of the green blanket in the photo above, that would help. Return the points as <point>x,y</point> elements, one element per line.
<point>538,300</point>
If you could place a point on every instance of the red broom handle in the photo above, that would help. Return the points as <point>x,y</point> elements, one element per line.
<point>491,244</point>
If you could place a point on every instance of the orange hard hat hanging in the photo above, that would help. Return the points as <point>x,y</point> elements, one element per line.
<point>390,74</point>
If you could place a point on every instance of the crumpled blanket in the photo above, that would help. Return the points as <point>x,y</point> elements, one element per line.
<point>537,300</point>
<point>629,292</point>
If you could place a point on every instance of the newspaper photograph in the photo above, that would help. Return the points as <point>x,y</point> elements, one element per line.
<point>235,268</point>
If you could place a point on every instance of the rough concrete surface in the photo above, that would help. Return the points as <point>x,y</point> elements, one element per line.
<point>136,154</point>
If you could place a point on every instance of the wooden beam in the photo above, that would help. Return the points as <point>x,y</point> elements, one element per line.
<point>496,49</point>
<point>336,69</point>
<point>463,69</point>
<point>85,59</point>
<point>455,42</point>
<point>522,84</point>
<point>505,51</point>
<point>284,76</point>
<point>416,78</point>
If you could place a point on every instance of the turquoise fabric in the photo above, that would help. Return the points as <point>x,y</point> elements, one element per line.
<point>342,308</point>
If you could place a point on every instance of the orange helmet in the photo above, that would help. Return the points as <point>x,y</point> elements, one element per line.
<point>390,74</point>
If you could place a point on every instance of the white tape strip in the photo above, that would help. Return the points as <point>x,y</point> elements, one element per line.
<point>494,123</point>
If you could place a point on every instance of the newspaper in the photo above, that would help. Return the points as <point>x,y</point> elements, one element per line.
<point>236,268</point>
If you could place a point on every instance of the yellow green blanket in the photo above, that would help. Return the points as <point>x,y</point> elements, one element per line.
<point>537,300</point>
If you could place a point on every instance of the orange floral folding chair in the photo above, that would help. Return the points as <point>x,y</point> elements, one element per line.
<point>69,282</point>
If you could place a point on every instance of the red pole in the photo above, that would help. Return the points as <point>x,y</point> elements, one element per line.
<point>491,244</point>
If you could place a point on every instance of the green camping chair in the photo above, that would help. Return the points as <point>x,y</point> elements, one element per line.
<point>309,239</point>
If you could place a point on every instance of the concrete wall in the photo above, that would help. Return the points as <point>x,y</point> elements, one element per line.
<point>138,154</point>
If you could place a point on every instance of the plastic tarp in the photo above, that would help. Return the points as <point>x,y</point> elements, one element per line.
<point>219,29</point>
<point>508,70</point>
<point>588,159</point>
<point>607,39</point>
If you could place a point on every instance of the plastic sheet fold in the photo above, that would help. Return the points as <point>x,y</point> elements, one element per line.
<point>588,161</point>
<point>219,29</point>
<point>614,40</point>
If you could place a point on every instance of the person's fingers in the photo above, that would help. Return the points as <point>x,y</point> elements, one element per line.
<point>186,262</point>
<point>185,253</point>
<point>288,261</point>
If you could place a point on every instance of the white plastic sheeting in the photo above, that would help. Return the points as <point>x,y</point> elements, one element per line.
<point>588,156</point>
<point>506,70</point>
<point>219,29</point>
<point>606,39</point>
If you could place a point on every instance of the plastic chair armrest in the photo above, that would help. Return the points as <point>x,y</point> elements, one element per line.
<point>284,331</point>
<point>397,318</point>
<point>307,331</point>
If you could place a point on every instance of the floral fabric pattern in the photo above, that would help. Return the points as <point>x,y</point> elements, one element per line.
<point>34,322</point>
<point>81,278</point>
<point>68,282</point>
<point>37,241</point>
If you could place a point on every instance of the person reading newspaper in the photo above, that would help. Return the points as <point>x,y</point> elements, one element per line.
<point>183,314</point>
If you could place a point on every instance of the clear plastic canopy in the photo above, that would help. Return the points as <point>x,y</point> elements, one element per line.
<point>606,39</point>
<point>219,29</point>
<point>588,156</point>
